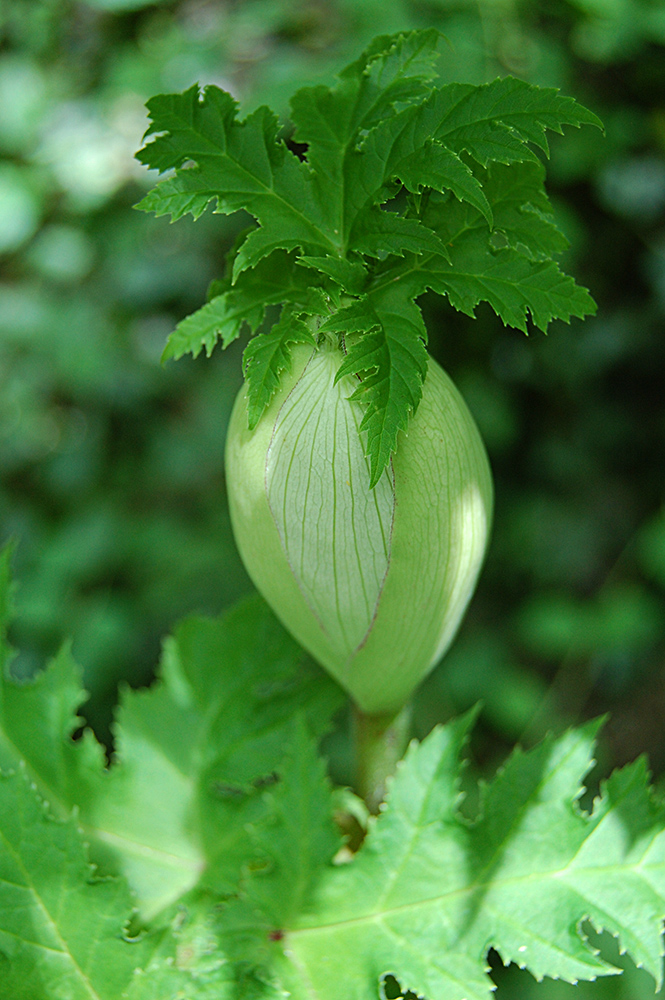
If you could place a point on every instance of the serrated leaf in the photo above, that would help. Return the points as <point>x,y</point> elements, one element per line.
<point>421,145</point>
<point>384,129</point>
<point>173,811</point>
<point>37,721</point>
<point>438,167</point>
<point>62,930</point>
<point>240,165</point>
<point>170,808</point>
<point>189,961</point>
<point>217,318</point>
<point>266,357</point>
<point>522,210</point>
<point>517,282</point>
<point>351,275</point>
<point>379,233</point>
<point>430,892</point>
<point>292,852</point>
<point>515,286</point>
<point>261,243</point>
<point>274,281</point>
<point>38,718</point>
<point>171,197</point>
<point>394,73</point>
<point>497,121</point>
<point>391,359</point>
<point>190,127</point>
<point>299,840</point>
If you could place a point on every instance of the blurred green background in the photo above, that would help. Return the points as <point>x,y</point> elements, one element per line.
<point>111,471</point>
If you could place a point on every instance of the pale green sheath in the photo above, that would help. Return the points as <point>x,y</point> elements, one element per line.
<point>373,583</point>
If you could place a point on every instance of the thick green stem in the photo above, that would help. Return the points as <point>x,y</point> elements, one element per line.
<point>379,743</point>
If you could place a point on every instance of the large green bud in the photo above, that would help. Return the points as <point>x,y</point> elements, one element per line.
<point>372,582</point>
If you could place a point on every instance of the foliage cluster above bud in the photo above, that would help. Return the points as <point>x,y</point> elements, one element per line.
<point>404,186</point>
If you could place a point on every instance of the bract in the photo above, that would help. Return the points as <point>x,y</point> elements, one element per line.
<point>373,583</point>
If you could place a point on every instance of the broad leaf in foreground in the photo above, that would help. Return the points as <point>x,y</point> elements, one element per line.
<point>62,928</point>
<point>38,718</point>
<point>219,804</point>
<point>296,845</point>
<point>173,808</point>
<point>170,807</point>
<point>208,958</point>
<point>430,892</point>
<point>188,963</point>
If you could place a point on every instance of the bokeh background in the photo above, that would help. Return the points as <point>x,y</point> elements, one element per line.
<point>111,470</point>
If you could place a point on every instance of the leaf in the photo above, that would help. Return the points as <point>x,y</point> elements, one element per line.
<point>292,852</point>
<point>62,929</point>
<point>189,961</point>
<point>422,145</point>
<point>392,360</point>
<point>267,356</point>
<point>244,165</point>
<point>173,811</point>
<point>403,187</point>
<point>514,286</point>
<point>430,892</point>
<point>170,808</point>
<point>394,72</point>
<point>349,274</point>
<point>410,854</point>
<point>522,211</point>
<point>37,721</point>
<point>274,281</point>
<point>378,233</point>
<point>240,165</point>
<point>516,281</point>
<point>219,318</point>
<point>38,718</point>
<point>437,167</point>
<point>497,121</point>
<point>171,197</point>
<point>299,841</point>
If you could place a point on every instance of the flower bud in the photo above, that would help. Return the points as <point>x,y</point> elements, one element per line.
<point>372,582</point>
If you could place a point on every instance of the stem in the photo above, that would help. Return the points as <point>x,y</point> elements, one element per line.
<point>379,743</point>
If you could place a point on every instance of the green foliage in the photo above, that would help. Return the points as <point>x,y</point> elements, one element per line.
<point>62,932</point>
<point>217,814</point>
<point>385,135</point>
<point>111,467</point>
<point>267,356</point>
<point>111,476</point>
<point>428,892</point>
<point>228,312</point>
<point>188,752</point>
